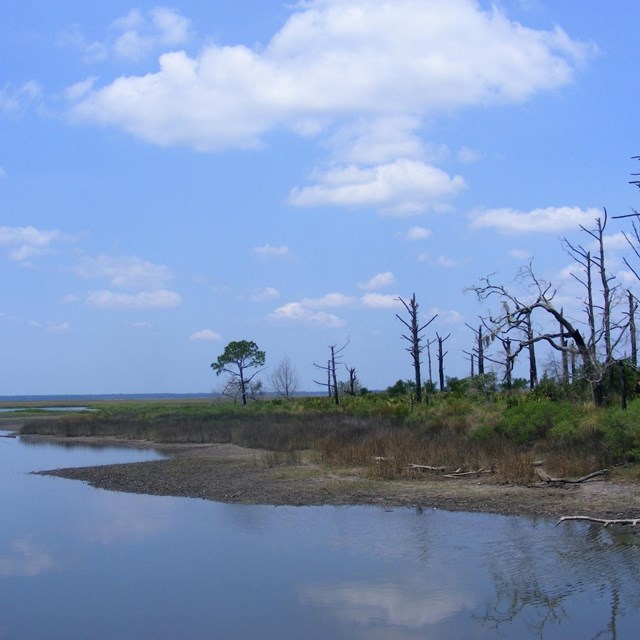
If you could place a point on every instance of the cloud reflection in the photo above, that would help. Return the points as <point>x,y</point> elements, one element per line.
<point>365,603</point>
<point>24,559</point>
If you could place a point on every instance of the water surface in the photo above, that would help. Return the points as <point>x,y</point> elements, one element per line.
<point>78,562</point>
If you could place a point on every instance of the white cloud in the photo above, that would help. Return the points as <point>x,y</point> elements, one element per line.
<point>380,301</point>
<point>469,156</point>
<point>296,312</point>
<point>331,58</point>
<point>205,334</point>
<point>142,33</point>
<point>126,272</point>
<point>362,75</point>
<point>269,250</point>
<point>328,301</point>
<point>3,173</point>
<point>379,281</point>
<point>14,101</point>
<point>549,220</point>
<point>73,37</point>
<point>160,299</point>
<point>403,187</point>
<point>24,243</point>
<point>268,293</point>
<point>418,233</point>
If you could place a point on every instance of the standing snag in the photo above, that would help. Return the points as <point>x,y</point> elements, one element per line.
<point>414,338</point>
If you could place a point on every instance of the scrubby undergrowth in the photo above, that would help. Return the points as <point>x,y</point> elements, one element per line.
<point>502,435</point>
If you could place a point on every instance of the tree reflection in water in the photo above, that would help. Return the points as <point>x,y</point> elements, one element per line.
<point>542,585</point>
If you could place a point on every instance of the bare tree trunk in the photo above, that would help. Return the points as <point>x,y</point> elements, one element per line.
<point>414,338</point>
<point>533,367</point>
<point>441,356</point>
<point>633,305</point>
<point>564,354</point>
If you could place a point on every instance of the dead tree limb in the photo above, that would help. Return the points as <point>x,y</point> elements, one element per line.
<point>620,521</point>
<point>545,477</point>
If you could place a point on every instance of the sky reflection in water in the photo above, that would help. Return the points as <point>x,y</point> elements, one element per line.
<point>76,562</point>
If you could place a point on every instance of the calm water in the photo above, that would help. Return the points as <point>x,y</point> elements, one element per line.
<point>76,563</point>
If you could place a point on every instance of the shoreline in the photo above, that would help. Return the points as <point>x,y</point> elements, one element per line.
<point>232,474</point>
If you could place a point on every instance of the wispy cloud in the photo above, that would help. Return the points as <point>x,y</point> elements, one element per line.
<point>548,220</point>
<point>126,272</point>
<point>25,243</point>
<point>160,299</point>
<point>264,295</point>
<point>268,250</point>
<point>132,38</point>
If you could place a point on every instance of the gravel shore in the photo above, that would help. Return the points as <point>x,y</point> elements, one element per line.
<point>228,473</point>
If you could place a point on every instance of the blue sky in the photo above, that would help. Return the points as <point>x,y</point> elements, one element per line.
<point>174,177</point>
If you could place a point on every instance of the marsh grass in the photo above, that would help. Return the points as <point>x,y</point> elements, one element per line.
<point>503,437</point>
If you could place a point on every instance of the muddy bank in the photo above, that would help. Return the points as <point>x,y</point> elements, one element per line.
<point>228,473</point>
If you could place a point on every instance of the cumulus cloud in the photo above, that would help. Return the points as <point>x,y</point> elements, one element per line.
<point>549,220</point>
<point>296,312</point>
<point>380,301</point>
<point>361,75</point>
<point>24,243</point>
<point>334,57</point>
<point>328,301</point>
<point>402,187</point>
<point>205,334</point>
<point>126,272</point>
<point>268,250</point>
<point>379,281</point>
<point>160,299</point>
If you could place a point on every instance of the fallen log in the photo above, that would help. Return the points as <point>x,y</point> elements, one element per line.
<point>620,521</point>
<point>426,467</point>
<point>545,477</point>
<point>463,474</point>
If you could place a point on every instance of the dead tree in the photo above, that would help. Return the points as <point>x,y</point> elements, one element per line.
<point>353,381</point>
<point>479,348</point>
<point>441,355</point>
<point>414,338</point>
<point>633,338</point>
<point>533,366</point>
<point>540,300</point>
<point>330,369</point>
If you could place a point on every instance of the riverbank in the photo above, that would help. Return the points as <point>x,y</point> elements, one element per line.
<point>233,474</point>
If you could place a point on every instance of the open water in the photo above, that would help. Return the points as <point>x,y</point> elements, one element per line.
<point>77,562</point>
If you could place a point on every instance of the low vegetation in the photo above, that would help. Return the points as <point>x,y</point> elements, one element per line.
<point>495,433</point>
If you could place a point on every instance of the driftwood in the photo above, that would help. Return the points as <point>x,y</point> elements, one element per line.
<point>621,521</point>
<point>426,467</point>
<point>545,477</point>
<point>465,474</point>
